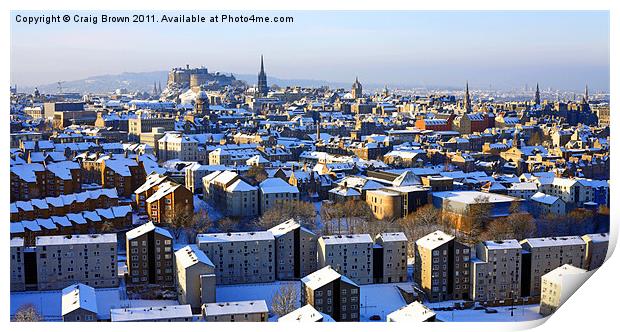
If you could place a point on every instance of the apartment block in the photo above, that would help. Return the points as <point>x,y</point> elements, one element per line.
<point>275,190</point>
<point>149,255</point>
<point>496,270</point>
<point>332,293</point>
<point>240,258</point>
<point>596,250</point>
<point>64,260</point>
<point>233,195</point>
<point>79,304</point>
<point>558,285</point>
<point>163,199</point>
<point>18,273</point>
<point>242,311</point>
<point>541,255</point>
<point>390,258</point>
<point>195,276</point>
<point>296,250</point>
<point>306,314</point>
<point>350,255</point>
<point>442,267</point>
<point>169,313</point>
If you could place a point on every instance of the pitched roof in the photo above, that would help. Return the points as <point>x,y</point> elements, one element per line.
<point>143,229</point>
<point>79,296</point>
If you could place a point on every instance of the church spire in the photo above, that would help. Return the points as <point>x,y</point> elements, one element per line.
<point>263,89</point>
<point>467,99</point>
<point>537,96</point>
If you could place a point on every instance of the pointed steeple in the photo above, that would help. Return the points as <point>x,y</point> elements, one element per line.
<point>466,98</point>
<point>263,89</point>
<point>537,96</point>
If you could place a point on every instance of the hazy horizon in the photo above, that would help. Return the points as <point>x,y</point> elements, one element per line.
<point>564,50</point>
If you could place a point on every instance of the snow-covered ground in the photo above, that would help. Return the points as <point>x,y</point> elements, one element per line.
<point>521,313</point>
<point>49,303</point>
<point>248,292</point>
<point>379,299</point>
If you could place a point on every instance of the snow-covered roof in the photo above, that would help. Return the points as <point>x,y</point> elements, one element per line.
<point>306,313</point>
<point>234,308</point>
<point>322,277</point>
<point>557,275</point>
<point>597,238</point>
<point>542,242</point>
<point>232,237</point>
<point>148,227</point>
<point>79,296</point>
<point>284,227</point>
<point>523,186</point>
<point>470,197</point>
<point>151,313</point>
<point>502,244</point>
<point>544,198</point>
<point>190,255</point>
<point>152,180</point>
<point>163,190</point>
<point>395,236</point>
<point>434,240</point>
<point>277,185</point>
<point>348,239</point>
<point>240,185</point>
<point>75,239</point>
<point>413,312</point>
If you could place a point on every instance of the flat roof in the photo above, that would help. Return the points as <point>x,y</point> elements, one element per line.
<point>151,313</point>
<point>75,239</point>
<point>232,308</point>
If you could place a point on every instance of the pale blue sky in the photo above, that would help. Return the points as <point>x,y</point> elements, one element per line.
<point>505,49</point>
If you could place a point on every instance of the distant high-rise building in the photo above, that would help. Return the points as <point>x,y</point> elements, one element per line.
<point>586,97</point>
<point>537,96</point>
<point>263,89</point>
<point>356,89</point>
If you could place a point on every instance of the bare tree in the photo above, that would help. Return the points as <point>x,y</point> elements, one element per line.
<point>423,221</point>
<point>27,313</point>
<point>257,172</point>
<point>478,215</point>
<point>303,212</point>
<point>201,224</point>
<point>228,224</point>
<point>179,220</point>
<point>285,300</point>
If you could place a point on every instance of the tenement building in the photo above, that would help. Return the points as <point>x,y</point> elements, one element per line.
<point>332,294</point>
<point>350,255</point>
<point>496,270</point>
<point>541,255</point>
<point>240,258</point>
<point>390,258</point>
<point>296,249</point>
<point>442,267</point>
<point>149,255</point>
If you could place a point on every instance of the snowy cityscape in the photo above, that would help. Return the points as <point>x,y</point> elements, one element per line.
<point>212,198</point>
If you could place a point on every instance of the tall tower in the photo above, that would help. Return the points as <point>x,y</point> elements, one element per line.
<point>202,104</point>
<point>154,89</point>
<point>586,96</point>
<point>467,99</point>
<point>263,89</point>
<point>537,96</point>
<point>356,89</point>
